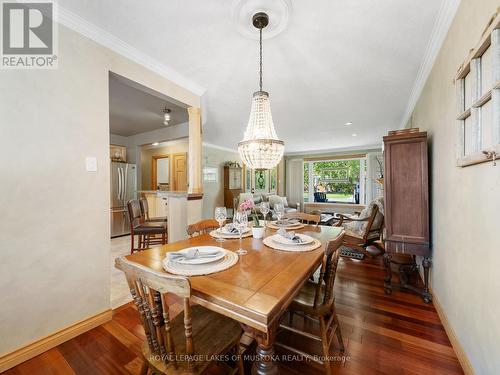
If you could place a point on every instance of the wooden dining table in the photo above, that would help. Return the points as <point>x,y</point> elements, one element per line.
<point>257,290</point>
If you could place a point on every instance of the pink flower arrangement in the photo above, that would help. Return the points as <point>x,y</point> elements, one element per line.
<point>246,205</point>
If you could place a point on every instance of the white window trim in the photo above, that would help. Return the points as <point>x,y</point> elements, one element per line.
<point>362,185</point>
<point>472,65</point>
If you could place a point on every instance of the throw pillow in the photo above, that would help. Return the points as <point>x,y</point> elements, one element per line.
<point>285,201</point>
<point>274,199</point>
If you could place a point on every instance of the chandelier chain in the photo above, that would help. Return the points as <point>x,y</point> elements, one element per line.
<point>260,61</point>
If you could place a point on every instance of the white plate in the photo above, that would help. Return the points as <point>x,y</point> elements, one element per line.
<point>287,222</point>
<point>285,241</point>
<point>201,249</point>
<point>226,232</point>
<point>288,226</point>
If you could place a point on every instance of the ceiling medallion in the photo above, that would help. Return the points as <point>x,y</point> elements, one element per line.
<point>260,147</point>
<point>277,10</point>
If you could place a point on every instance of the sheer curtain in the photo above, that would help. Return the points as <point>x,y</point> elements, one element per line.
<point>295,181</point>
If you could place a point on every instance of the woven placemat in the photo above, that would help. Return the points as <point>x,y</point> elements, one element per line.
<point>268,241</point>
<point>229,260</point>
<point>215,234</point>
<point>272,225</point>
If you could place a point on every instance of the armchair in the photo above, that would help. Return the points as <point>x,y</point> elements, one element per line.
<point>364,229</point>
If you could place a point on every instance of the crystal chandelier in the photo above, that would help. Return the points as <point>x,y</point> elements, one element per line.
<point>260,147</point>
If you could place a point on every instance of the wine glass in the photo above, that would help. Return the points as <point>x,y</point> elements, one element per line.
<point>264,208</point>
<point>240,222</point>
<point>220,216</point>
<point>279,211</point>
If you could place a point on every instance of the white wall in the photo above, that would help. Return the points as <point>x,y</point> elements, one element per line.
<point>54,256</point>
<point>118,140</point>
<point>373,188</point>
<point>213,192</point>
<point>465,204</point>
<point>159,135</point>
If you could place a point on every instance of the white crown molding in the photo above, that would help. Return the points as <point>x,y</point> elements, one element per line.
<point>222,148</point>
<point>108,40</point>
<point>439,32</point>
<point>333,151</point>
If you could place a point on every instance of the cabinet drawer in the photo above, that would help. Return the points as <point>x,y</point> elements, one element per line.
<point>407,248</point>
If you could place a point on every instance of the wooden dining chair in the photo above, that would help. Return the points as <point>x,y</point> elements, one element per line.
<point>201,227</point>
<point>145,212</point>
<point>303,217</point>
<point>315,301</point>
<point>147,232</point>
<point>186,344</point>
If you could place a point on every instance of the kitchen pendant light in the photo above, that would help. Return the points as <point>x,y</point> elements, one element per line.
<point>260,147</point>
<point>166,116</point>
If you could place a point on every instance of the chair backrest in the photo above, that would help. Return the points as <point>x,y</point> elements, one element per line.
<point>144,208</point>
<point>373,225</point>
<point>201,227</point>
<point>375,221</point>
<point>149,289</point>
<point>320,197</point>
<point>303,217</point>
<point>134,212</point>
<point>324,297</point>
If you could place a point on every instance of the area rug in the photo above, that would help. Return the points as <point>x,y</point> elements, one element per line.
<point>351,253</point>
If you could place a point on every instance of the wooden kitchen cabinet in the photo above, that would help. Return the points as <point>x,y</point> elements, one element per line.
<point>158,205</point>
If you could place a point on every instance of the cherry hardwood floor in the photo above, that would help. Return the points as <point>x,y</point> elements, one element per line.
<point>396,334</point>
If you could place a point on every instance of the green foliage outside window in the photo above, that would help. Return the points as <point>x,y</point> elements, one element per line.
<point>337,178</point>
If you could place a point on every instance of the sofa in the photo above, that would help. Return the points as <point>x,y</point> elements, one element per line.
<point>272,199</point>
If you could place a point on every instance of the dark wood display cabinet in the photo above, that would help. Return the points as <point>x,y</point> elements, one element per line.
<point>406,190</point>
<point>233,184</point>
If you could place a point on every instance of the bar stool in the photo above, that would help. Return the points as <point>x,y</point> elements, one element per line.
<point>145,230</point>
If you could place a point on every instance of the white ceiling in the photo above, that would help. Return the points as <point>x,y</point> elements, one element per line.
<point>132,111</point>
<point>336,61</point>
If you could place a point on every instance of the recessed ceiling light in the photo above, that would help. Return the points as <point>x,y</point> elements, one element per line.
<point>155,144</point>
<point>354,135</point>
<point>348,123</point>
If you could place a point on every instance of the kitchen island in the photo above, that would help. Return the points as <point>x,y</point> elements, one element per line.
<point>181,208</point>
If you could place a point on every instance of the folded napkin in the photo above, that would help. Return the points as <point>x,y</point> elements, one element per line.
<point>192,254</point>
<point>287,221</point>
<point>290,235</point>
<point>230,228</point>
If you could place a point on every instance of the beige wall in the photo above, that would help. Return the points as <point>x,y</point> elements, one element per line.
<point>147,156</point>
<point>465,204</point>
<point>54,258</point>
<point>213,193</point>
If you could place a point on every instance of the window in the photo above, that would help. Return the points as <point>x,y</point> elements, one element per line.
<point>478,101</point>
<point>210,174</point>
<point>335,181</point>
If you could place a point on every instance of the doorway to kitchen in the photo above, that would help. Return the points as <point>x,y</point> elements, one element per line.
<point>148,152</point>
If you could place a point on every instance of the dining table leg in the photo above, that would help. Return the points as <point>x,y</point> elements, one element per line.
<point>265,363</point>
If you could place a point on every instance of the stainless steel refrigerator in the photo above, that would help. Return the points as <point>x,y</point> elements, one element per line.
<point>123,188</point>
